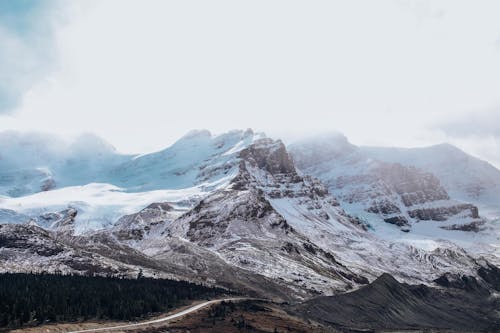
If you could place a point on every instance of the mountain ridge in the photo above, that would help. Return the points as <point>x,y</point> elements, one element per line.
<point>248,220</point>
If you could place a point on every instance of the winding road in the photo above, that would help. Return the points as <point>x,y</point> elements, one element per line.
<point>161,320</point>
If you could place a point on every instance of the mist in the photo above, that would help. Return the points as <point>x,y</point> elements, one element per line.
<point>140,75</point>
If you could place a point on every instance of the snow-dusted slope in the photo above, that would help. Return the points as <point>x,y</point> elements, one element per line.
<point>408,197</point>
<point>30,248</point>
<point>464,176</point>
<point>287,228</point>
<point>198,158</point>
<point>399,194</point>
<point>103,185</point>
<point>98,205</point>
<point>31,163</point>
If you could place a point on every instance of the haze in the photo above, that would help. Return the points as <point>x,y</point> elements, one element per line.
<point>142,73</point>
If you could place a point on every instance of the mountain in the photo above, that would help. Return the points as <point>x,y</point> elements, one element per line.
<point>103,185</point>
<point>34,162</point>
<point>390,196</point>
<point>230,210</point>
<point>239,212</point>
<point>389,304</point>
<point>197,159</point>
<point>465,177</point>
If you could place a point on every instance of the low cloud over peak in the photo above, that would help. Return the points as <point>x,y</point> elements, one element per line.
<point>141,74</point>
<point>477,132</point>
<point>482,123</point>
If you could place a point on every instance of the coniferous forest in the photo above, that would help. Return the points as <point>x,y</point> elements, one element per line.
<point>32,299</point>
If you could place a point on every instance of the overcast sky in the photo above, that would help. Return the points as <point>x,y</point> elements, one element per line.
<point>142,73</point>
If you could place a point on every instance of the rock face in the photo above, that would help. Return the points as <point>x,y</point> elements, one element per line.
<point>270,218</point>
<point>399,195</point>
<point>29,248</point>
<point>207,224</point>
<point>241,224</point>
<point>443,213</point>
<point>463,176</point>
<point>62,221</point>
<point>414,186</point>
<point>134,226</point>
<point>269,155</point>
<point>475,226</point>
<point>30,238</point>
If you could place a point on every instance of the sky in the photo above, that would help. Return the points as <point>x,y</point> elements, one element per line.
<point>143,73</point>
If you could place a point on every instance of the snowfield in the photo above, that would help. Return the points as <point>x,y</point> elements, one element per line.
<point>98,205</point>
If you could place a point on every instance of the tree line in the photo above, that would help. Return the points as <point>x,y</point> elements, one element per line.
<point>33,299</point>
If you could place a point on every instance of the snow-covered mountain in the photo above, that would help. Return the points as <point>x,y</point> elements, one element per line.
<point>32,162</point>
<point>232,210</point>
<point>103,185</point>
<point>399,194</point>
<point>464,177</point>
<point>384,193</point>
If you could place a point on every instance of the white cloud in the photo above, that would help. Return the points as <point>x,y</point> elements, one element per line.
<point>142,73</point>
<point>26,47</point>
<point>476,131</point>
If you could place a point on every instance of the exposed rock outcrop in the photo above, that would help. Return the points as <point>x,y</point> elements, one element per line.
<point>62,221</point>
<point>444,213</point>
<point>134,226</point>
<point>398,194</point>
<point>269,155</point>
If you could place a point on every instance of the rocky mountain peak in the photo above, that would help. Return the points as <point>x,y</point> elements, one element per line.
<point>269,155</point>
<point>399,194</point>
<point>386,279</point>
<point>413,185</point>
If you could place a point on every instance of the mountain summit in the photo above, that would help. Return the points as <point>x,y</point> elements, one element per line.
<point>239,210</point>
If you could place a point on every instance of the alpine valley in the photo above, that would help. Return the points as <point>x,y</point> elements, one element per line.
<point>348,237</point>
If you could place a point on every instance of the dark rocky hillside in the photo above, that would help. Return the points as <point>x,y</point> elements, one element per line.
<point>388,304</point>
